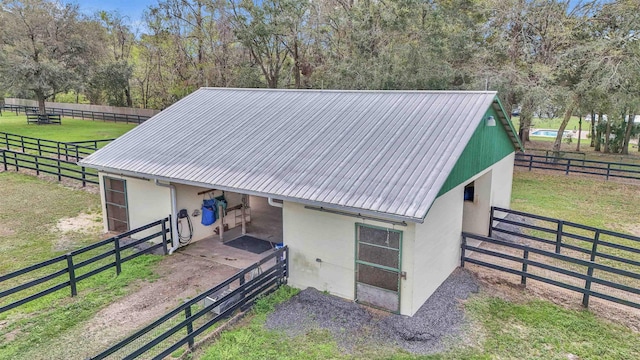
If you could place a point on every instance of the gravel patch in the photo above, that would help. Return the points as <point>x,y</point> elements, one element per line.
<point>440,318</point>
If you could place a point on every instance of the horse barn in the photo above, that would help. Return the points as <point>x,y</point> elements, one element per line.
<point>370,190</point>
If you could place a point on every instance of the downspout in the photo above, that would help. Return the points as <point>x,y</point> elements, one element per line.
<point>274,203</point>
<point>174,216</point>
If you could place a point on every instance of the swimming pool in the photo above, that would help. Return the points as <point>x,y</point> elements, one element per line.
<point>548,133</point>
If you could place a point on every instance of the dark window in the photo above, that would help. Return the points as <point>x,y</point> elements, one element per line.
<point>469,192</point>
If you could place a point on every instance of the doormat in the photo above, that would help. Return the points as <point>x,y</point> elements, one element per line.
<point>251,244</point>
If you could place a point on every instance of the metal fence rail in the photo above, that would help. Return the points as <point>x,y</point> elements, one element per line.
<point>564,248</point>
<point>182,325</point>
<point>578,166</point>
<point>75,261</point>
<point>41,164</point>
<point>66,150</point>
<point>81,114</point>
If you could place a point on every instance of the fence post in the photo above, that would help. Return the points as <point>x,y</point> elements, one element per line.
<point>15,160</point>
<point>523,279</point>
<point>6,140</point>
<point>164,237</point>
<point>39,148</point>
<point>116,243</point>
<point>4,160</point>
<point>77,154</point>
<point>587,285</point>
<point>608,170</point>
<point>187,315</point>
<point>22,143</point>
<point>464,246</point>
<point>559,236</point>
<point>530,162</point>
<point>568,166</point>
<point>491,222</point>
<point>37,165</point>
<point>84,176</point>
<point>72,275</point>
<point>58,149</point>
<point>59,171</point>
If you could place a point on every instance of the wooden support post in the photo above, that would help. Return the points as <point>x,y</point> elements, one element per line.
<point>164,238</point>
<point>568,166</point>
<point>523,279</point>
<point>72,275</point>
<point>37,165</point>
<point>116,243</point>
<point>531,162</point>
<point>39,148</point>
<point>587,285</point>
<point>84,176</point>
<point>221,226</point>
<point>4,160</point>
<point>59,171</point>
<point>187,315</point>
<point>608,170</point>
<point>559,236</point>
<point>15,160</point>
<point>244,220</point>
<point>462,252</point>
<point>491,214</point>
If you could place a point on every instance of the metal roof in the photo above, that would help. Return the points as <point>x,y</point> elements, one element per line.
<point>381,153</point>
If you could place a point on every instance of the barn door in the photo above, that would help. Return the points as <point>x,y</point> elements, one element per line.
<point>378,267</point>
<point>115,196</point>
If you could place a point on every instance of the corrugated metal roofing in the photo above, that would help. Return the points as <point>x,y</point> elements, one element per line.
<point>384,153</point>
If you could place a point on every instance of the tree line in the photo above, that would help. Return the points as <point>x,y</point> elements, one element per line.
<point>556,58</point>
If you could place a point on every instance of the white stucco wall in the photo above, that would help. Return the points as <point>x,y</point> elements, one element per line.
<point>476,213</point>
<point>312,235</point>
<point>146,203</point>
<point>187,198</point>
<point>502,182</point>
<point>438,240</point>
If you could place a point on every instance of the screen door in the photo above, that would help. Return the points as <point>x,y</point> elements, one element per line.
<point>378,267</point>
<point>115,195</point>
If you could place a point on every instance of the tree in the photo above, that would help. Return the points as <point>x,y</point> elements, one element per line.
<point>48,47</point>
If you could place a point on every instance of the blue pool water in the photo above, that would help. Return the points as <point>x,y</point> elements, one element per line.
<point>547,133</point>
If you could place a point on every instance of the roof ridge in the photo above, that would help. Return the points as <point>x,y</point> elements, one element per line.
<point>487,92</point>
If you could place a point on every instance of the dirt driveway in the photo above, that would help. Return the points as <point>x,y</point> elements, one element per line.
<point>181,277</point>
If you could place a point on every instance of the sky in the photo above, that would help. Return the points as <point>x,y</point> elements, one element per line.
<point>130,8</point>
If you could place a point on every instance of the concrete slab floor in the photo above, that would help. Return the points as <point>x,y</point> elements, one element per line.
<point>266,224</point>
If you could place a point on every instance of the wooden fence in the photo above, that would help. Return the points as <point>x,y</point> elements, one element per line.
<point>74,261</point>
<point>578,166</point>
<point>182,325</point>
<point>59,149</point>
<point>40,164</point>
<point>81,114</point>
<point>568,255</point>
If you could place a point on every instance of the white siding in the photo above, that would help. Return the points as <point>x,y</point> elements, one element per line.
<point>313,235</point>
<point>187,198</point>
<point>438,240</point>
<point>146,203</point>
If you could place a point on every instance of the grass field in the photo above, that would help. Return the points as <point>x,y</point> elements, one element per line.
<point>70,130</point>
<point>504,330</point>
<point>29,212</point>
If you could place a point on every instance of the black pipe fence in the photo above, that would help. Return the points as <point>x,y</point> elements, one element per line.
<point>80,114</point>
<point>52,166</point>
<point>77,267</point>
<point>180,327</point>
<point>578,166</point>
<point>588,260</point>
<point>67,150</point>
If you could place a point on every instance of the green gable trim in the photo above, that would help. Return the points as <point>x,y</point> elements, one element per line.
<point>488,145</point>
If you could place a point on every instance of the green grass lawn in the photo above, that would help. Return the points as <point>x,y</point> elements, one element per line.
<point>29,211</point>
<point>70,130</point>
<point>500,329</point>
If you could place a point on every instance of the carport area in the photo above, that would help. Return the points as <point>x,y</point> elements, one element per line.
<point>262,222</point>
